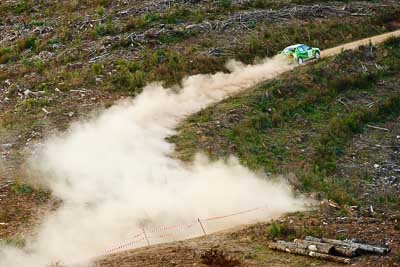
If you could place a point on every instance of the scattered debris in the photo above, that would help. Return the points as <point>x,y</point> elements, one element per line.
<point>378,128</point>
<point>301,249</point>
<point>327,249</point>
<point>364,248</point>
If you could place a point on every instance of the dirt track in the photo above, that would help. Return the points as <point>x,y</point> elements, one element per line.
<point>353,45</point>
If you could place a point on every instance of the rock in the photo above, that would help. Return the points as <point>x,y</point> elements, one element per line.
<point>7,146</point>
<point>27,92</point>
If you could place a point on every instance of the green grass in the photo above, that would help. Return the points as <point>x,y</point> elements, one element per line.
<point>14,242</point>
<point>22,189</point>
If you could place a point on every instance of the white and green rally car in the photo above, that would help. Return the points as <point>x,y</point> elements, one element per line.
<point>300,53</point>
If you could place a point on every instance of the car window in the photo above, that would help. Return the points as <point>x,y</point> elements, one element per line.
<point>306,47</point>
<point>300,49</point>
<point>287,50</point>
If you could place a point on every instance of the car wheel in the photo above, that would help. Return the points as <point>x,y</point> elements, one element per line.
<point>300,61</point>
<point>317,55</point>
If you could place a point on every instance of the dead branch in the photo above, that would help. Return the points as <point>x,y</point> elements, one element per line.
<point>361,247</point>
<point>288,247</point>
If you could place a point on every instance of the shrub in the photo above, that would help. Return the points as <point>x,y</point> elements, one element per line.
<point>7,119</point>
<point>15,242</point>
<point>72,5</point>
<point>176,15</point>
<point>199,16</point>
<point>22,189</point>
<point>97,68</point>
<point>392,43</point>
<point>29,43</point>
<point>5,55</point>
<point>134,66</point>
<point>397,256</point>
<point>125,80</point>
<point>136,23</point>
<point>21,7</point>
<point>388,16</point>
<point>32,104</point>
<point>225,3</point>
<point>218,258</point>
<point>39,66</point>
<point>275,230</point>
<point>100,10</point>
<point>105,29</point>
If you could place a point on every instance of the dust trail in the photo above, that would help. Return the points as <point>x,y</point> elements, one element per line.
<point>114,173</point>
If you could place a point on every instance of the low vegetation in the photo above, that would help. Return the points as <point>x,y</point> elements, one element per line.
<point>215,257</point>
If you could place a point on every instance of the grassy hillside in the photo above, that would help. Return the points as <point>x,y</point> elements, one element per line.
<point>62,60</point>
<point>303,122</point>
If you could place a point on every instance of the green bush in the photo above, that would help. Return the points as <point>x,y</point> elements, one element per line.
<point>21,7</point>
<point>225,3</point>
<point>136,23</point>
<point>392,43</point>
<point>97,68</point>
<point>397,256</point>
<point>29,43</point>
<point>275,230</point>
<point>40,66</point>
<point>32,104</point>
<point>22,189</point>
<point>123,79</point>
<point>15,242</point>
<point>5,55</point>
<point>105,29</point>
<point>100,10</point>
<point>388,16</point>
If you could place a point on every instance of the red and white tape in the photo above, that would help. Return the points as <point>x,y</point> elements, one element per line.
<point>149,233</point>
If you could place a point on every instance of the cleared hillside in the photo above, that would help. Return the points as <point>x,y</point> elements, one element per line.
<point>331,126</point>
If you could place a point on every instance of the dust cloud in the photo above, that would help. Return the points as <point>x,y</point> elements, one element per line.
<point>115,174</point>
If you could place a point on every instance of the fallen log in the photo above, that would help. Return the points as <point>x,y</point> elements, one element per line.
<point>350,252</point>
<point>306,252</point>
<point>362,247</point>
<point>315,246</point>
<point>336,250</point>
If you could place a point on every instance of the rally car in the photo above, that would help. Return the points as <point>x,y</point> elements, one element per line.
<point>300,53</point>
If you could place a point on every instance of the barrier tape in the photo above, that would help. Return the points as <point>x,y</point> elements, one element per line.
<point>113,250</point>
<point>165,228</point>
<point>177,226</point>
<point>123,245</point>
<point>133,241</point>
<point>231,215</point>
<point>183,227</point>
